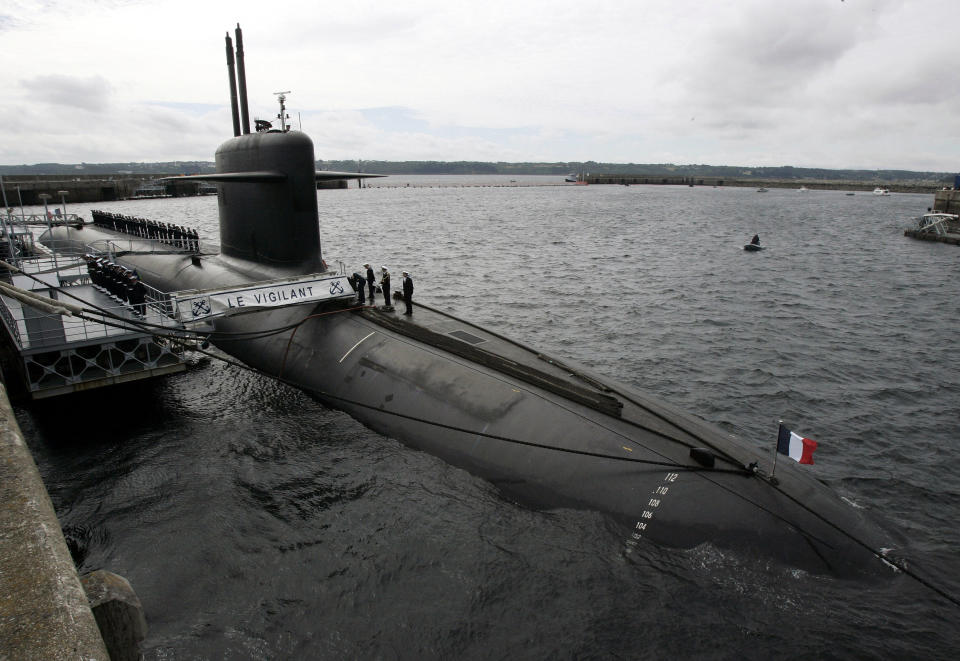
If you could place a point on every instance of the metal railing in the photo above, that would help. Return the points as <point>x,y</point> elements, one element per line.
<point>10,323</point>
<point>938,223</point>
<point>53,219</point>
<point>112,247</point>
<point>31,329</point>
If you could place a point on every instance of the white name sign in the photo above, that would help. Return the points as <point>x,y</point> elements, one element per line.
<point>262,295</point>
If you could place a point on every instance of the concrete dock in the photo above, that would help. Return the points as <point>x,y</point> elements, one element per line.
<point>44,611</point>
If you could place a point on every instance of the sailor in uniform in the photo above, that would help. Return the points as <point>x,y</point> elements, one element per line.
<point>370,281</point>
<point>408,292</point>
<point>385,287</point>
<point>359,284</point>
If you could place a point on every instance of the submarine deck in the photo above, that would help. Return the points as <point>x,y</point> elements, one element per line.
<point>561,377</point>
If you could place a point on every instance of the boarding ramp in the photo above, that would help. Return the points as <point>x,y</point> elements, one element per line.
<point>112,343</point>
<point>62,354</point>
<point>117,341</point>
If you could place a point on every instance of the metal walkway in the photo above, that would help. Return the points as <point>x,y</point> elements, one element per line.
<point>60,352</point>
<point>63,354</point>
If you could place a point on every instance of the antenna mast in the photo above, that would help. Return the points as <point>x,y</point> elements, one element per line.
<point>283,116</point>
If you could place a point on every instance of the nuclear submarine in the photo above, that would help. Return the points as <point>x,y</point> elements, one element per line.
<point>546,432</point>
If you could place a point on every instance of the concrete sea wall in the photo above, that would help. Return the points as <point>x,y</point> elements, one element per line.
<point>44,611</point>
<point>947,201</point>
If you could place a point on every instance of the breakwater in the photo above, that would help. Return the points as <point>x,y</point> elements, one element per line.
<point>660,180</point>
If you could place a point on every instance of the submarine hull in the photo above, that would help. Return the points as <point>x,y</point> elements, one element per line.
<point>547,434</point>
<point>544,450</point>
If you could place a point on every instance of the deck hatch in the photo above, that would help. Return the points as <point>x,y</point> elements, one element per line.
<point>466,337</point>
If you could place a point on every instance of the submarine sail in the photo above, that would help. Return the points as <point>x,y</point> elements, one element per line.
<point>545,431</point>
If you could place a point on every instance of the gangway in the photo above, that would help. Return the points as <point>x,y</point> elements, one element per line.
<point>115,342</point>
<point>60,353</point>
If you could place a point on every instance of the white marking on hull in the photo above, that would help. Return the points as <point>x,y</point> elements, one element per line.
<point>355,346</point>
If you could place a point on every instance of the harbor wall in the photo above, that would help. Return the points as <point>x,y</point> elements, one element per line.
<point>44,610</point>
<point>660,180</point>
<point>88,188</point>
<point>947,201</point>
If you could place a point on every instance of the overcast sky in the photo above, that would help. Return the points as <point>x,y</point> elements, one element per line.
<point>813,83</point>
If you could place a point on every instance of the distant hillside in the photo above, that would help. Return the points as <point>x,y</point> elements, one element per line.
<point>785,172</point>
<point>170,167</point>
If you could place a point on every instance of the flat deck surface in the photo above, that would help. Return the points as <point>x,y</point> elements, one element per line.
<point>553,374</point>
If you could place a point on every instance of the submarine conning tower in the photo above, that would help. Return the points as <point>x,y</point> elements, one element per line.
<point>267,192</point>
<point>268,200</point>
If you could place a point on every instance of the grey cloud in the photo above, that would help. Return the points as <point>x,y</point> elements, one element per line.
<point>767,56</point>
<point>88,93</point>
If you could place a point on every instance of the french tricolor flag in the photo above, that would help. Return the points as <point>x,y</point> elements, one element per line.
<point>795,446</point>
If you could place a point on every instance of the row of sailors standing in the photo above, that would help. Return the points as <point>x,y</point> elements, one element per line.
<point>358,282</point>
<point>175,235</point>
<point>118,281</point>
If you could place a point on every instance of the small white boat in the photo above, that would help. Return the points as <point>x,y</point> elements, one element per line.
<point>880,191</point>
<point>762,190</point>
<point>570,178</point>
<point>803,189</point>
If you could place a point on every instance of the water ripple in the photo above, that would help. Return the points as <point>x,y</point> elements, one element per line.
<point>255,523</point>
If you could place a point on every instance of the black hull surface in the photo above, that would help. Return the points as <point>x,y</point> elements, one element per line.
<point>547,434</point>
<point>547,450</point>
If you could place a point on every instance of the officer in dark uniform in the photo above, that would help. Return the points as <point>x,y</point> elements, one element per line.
<point>385,287</point>
<point>370,282</point>
<point>138,295</point>
<point>128,288</point>
<point>408,292</point>
<point>96,275</point>
<point>359,284</point>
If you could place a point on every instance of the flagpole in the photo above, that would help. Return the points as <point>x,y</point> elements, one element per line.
<point>775,453</point>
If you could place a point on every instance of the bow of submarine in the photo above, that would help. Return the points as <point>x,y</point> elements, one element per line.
<point>546,449</point>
